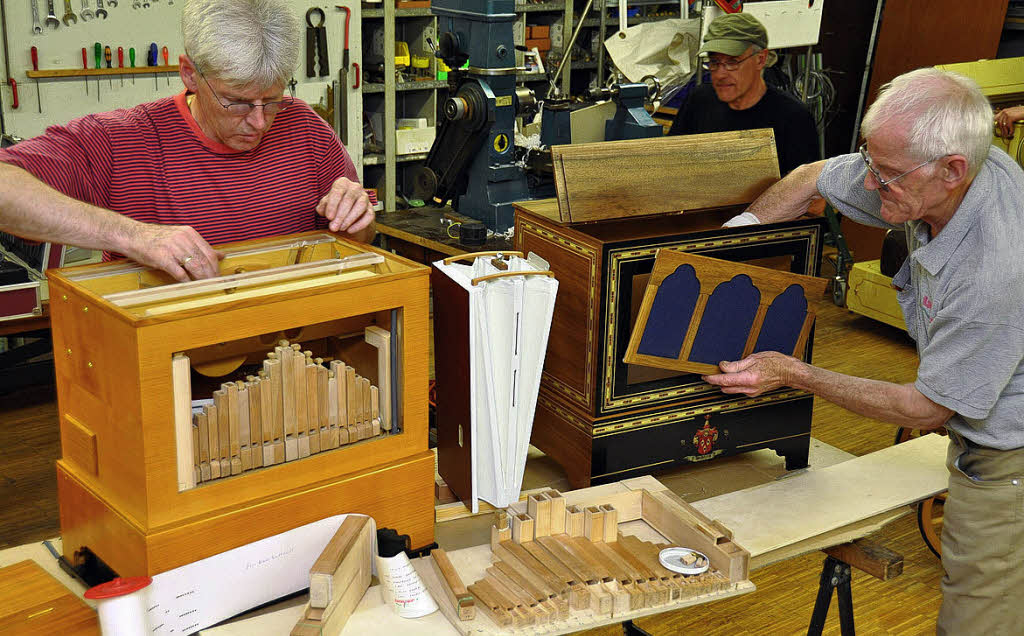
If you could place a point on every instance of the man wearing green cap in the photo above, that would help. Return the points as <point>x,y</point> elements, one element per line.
<point>736,47</point>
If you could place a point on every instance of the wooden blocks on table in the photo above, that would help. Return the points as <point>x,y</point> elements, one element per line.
<point>539,576</point>
<point>339,578</point>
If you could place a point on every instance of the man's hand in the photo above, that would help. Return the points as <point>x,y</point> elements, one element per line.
<point>176,249</point>
<point>1005,119</point>
<point>755,374</point>
<point>346,207</point>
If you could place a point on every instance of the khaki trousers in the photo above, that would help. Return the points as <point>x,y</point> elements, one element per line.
<point>983,541</point>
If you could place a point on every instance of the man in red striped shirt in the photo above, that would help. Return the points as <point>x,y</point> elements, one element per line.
<point>230,158</point>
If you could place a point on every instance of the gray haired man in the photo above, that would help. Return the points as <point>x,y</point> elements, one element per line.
<point>229,158</point>
<point>927,164</point>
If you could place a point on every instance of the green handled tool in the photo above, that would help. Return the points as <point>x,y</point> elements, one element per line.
<point>131,59</point>
<point>98,50</point>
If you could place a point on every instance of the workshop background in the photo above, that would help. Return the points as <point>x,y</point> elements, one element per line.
<point>391,106</point>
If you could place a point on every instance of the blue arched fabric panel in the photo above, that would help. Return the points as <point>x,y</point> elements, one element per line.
<point>670,314</point>
<point>783,321</point>
<point>726,322</point>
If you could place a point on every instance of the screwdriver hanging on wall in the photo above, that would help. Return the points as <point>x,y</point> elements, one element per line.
<point>98,51</point>
<point>120,62</point>
<point>151,59</point>
<point>166,63</point>
<point>85,65</point>
<point>107,58</point>
<point>35,67</point>
<point>131,58</point>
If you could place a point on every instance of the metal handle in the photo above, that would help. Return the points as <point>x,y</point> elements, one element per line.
<point>507,274</point>
<point>471,255</point>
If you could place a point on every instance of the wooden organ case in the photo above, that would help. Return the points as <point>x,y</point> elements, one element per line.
<point>147,481</point>
<point>602,419</point>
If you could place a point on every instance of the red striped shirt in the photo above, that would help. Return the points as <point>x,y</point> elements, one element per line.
<point>153,163</point>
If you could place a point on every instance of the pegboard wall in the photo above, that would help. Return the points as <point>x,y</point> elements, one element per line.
<point>131,23</point>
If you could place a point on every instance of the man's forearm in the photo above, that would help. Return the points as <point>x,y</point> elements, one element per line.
<point>900,404</point>
<point>32,210</point>
<point>789,198</point>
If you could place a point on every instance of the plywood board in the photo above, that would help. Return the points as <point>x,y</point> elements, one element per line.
<point>615,179</point>
<point>826,499</point>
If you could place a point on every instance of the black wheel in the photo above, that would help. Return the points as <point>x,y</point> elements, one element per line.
<point>929,511</point>
<point>929,522</point>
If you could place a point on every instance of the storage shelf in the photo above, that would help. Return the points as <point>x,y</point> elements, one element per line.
<point>416,156</point>
<point>88,72</point>
<point>613,22</point>
<point>376,87</point>
<point>399,13</point>
<point>540,6</point>
<point>373,159</point>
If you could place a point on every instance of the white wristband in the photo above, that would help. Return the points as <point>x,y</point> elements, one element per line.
<point>747,218</point>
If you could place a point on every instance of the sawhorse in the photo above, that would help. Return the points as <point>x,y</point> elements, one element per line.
<point>878,561</point>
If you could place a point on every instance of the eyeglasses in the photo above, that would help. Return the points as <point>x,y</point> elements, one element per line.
<point>731,65</point>
<point>883,184</point>
<point>242,109</point>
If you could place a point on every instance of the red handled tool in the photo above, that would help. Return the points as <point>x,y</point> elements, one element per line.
<point>166,63</point>
<point>35,67</point>
<point>85,64</point>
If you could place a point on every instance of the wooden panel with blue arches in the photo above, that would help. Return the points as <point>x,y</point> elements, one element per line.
<point>699,311</point>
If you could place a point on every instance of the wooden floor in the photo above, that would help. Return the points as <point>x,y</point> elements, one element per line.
<point>845,342</point>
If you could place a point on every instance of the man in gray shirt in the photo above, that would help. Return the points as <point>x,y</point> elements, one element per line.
<point>928,165</point>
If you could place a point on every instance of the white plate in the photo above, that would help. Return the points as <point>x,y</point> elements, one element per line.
<point>672,559</point>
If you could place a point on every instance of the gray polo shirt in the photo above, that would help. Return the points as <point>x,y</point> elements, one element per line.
<point>962,294</point>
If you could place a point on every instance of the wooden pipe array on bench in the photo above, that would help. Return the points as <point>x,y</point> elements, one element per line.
<point>556,559</point>
<point>296,407</point>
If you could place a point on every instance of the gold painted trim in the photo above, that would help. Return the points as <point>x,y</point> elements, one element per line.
<point>619,472</point>
<point>670,417</point>
<point>616,258</point>
<point>774,439</point>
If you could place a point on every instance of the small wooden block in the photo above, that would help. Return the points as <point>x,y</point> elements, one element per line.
<point>539,507</point>
<point>611,523</point>
<point>593,523</point>
<point>574,521</point>
<point>497,614</point>
<point>442,493</point>
<point>620,598</point>
<point>454,589</point>
<point>522,528</point>
<point>557,511</point>
<point>330,570</point>
<point>499,535</point>
<point>873,558</point>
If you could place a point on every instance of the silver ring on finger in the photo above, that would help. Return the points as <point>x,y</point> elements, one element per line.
<point>185,261</point>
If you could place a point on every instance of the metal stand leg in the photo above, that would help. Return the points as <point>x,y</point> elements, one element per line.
<point>835,575</point>
<point>629,629</point>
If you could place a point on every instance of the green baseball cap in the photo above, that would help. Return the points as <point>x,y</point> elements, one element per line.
<point>732,33</point>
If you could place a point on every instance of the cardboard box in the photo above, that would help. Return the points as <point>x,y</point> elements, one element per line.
<point>540,45</point>
<point>414,140</point>
<point>538,31</point>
